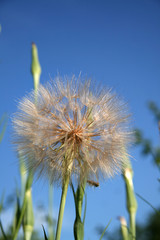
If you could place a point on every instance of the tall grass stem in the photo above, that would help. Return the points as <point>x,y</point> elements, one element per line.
<point>50,213</point>
<point>62,206</point>
<point>27,193</point>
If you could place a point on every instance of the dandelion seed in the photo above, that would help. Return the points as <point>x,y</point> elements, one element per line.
<point>72,128</point>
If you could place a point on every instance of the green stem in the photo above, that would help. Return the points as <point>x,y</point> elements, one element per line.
<point>132,226</point>
<point>50,213</point>
<point>62,206</point>
<point>105,230</point>
<point>23,175</point>
<point>27,193</point>
<point>124,229</point>
<point>80,195</point>
<point>36,79</point>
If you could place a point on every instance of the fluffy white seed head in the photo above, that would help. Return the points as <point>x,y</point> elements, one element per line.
<point>72,127</point>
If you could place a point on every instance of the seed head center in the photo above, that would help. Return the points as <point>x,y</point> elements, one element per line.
<point>74,136</point>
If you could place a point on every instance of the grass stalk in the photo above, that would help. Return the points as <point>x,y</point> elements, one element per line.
<point>78,200</point>
<point>3,123</point>
<point>26,213</point>
<point>132,217</point>
<point>62,206</point>
<point>105,230</point>
<point>26,195</point>
<point>50,214</point>
<point>23,174</point>
<point>131,199</point>
<point>28,220</point>
<point>124,232</point>
<point>80,195</point>
<point>35,67</point>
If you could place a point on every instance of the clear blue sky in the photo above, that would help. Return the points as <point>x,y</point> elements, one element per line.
<point>117,43</point>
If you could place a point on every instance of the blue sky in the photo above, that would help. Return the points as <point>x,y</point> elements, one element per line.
<point>117,44</point>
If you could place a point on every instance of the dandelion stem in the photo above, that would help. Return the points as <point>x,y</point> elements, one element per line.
<point>62,206</point>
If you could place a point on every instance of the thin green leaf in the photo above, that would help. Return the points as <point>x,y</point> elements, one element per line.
<point>75,199</point>
<point>138,195</point>
<point>51,223</point>
<point>85,208</point>
<point>20,217</point>
<point>105,229</point>
<point>74,194</point>
<point>3,233</point>
<point>29,181</point>
<point>45,236</point>
<point>2,118</point>
<point>3,121</point>
<point>17,214</point>
<point>1,202</point>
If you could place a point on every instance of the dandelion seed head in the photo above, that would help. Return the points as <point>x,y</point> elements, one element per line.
<point>72,127</point>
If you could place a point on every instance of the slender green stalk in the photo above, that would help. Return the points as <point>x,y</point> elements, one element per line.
<point>156,211</point>
<point>17,213</point>
<point>23,174</point>
<point>105,230</point>
<point>62,206</point>
<point>3,123</point>
<point>133,225</point>
<point>28,219</point>
<point>45,235</point>
<point>78,199</point>
<point>131,199</point>
<point>35,67</point>
<point>26,213</point>
<point>1,202</point>
<point>50,213</point>
<point>80,195</point>
<point>26,195</point>
<point>124,229</point>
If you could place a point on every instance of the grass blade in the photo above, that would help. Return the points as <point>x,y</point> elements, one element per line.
<point>23,208</point>
<point>105,230</point>
<point>17,214</point>
<point>3,233</point>
<point>45,236</point>
<point>51,234</point>
<point>138,195</point>
<point>3,121</point>
<point>85,208</point>
<point>1,203</point>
